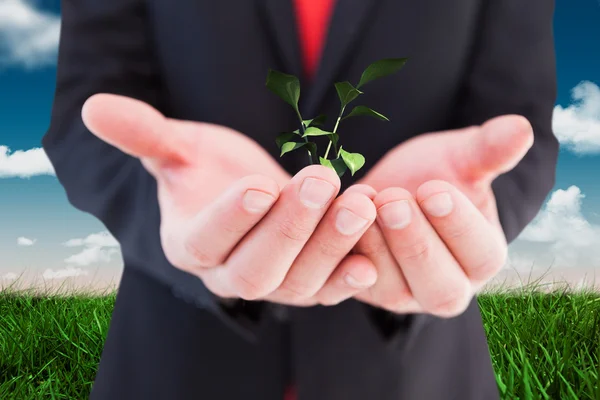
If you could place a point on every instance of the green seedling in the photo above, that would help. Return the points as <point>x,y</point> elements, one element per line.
<point>287,87</point>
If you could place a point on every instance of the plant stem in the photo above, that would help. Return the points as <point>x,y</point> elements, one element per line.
<point>337,123</point>
<point>327,151</point>
<point>310,157</point>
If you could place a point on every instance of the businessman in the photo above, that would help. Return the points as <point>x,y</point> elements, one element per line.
<point>249,276</point>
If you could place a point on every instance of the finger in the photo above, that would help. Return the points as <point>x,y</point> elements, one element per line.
<point>368,191</point>
<point>435,279</point>
<point>362,188</point>
<point>211,235</point>
<point>133,126</point>
<point>391,290</point>
<point>477,245</point>
<point>337,233</point>
<point>494,148</point>
<point>258,265</point>
<point>354,274</point>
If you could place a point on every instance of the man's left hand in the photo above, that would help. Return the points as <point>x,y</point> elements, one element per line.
<point>438,238</point>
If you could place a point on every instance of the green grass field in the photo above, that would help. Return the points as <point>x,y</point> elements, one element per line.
<point>543,346</point>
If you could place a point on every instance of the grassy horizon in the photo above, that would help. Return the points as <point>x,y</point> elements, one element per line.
<point>543,345</point>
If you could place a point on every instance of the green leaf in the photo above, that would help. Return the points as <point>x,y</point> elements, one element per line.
<point>362,110</point>
<point>346,92</point>
<point>312,149</point>
<point>284,138</point>
<point>381,68</point>
<point>354,161</point>
<point>325,162</point>
<point>314,131</point>
<point>287,87</point>
<point>291,146</point>
<point>337,165</point>
<point>340,166</point>
<point>317,121</point>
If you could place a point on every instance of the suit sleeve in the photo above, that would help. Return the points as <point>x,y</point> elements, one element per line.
<point>105,47</point>
<point>511,71</point>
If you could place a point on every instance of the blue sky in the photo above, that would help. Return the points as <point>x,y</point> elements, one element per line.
<point>41,233</point>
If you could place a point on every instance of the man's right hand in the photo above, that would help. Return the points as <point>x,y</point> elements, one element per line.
<point>233,217</point>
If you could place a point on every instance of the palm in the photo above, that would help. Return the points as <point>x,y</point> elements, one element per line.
<point>414,162</point>
<point>469,159</point>
<point>193,162</point>
<point>212,160</point>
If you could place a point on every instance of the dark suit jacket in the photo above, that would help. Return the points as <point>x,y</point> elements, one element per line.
<point>469,60</point>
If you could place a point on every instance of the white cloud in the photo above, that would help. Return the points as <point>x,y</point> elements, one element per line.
<point>101,239</point>
<point>11,276</point>
<point>68,272</point>
<point>91,255</point>
<point>23,241</point>
<point>577,126</point>
<point>24,164</point>
<point>28,36</point>
<point>572,240</point>
<point>520,261</point>
<point>98,248</point>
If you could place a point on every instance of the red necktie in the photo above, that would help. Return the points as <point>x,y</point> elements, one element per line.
<point>313,17</point>
<point>290,394</point>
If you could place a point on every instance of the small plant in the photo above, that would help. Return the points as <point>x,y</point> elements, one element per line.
<point>287,87</point>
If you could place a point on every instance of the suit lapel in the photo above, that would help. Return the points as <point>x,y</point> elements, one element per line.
<point>349,19</point>
<point>280,22</point>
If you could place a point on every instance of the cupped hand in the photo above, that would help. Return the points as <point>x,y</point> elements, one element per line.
<point>438,238</point>
<point>233,217</point>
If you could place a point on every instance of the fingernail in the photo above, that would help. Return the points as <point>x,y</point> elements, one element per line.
<point>395,215</point>
<point>256,201</point>
<point>438,205</point>
<point>316,193</point>
<point>358,284</point>
<point>348,223</point>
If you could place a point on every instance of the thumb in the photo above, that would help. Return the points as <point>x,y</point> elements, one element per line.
<point>132,126</point>
<point>495,147</point>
